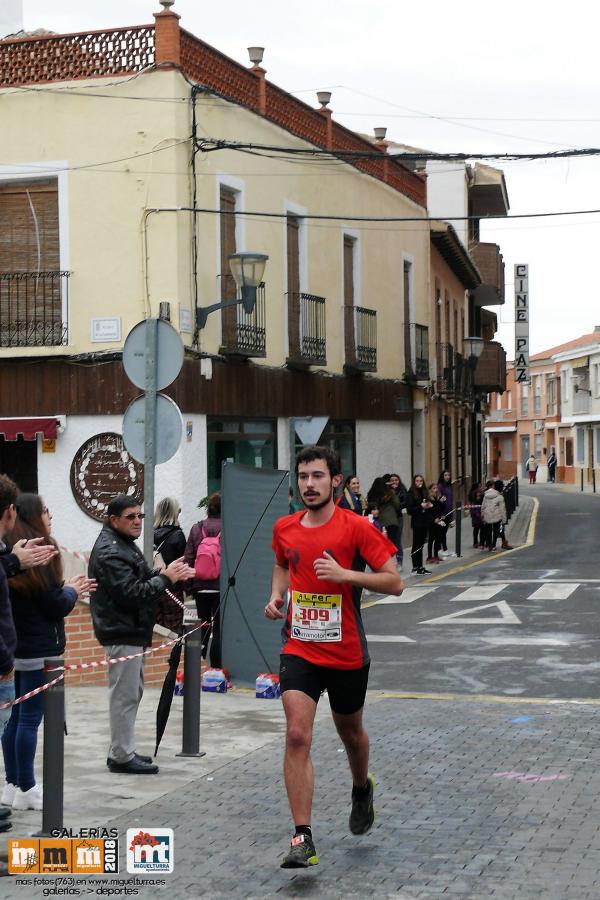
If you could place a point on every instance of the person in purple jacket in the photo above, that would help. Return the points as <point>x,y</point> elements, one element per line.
<point>444,487</point>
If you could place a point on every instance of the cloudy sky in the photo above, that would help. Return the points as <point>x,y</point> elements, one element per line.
<point>470,76</point>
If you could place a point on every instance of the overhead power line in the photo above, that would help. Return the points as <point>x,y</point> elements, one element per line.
<point>352,218</point>
<point>210,145</point>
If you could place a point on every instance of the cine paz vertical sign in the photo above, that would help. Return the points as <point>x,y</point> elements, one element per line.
<point>521,323</point>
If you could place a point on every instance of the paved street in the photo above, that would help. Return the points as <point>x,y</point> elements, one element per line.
<point>488,792</point>
<point>520,624</point>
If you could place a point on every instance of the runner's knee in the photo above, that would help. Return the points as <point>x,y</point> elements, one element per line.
<point>298,738</point>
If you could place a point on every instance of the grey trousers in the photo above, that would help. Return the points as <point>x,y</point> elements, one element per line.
<point>125,689</point>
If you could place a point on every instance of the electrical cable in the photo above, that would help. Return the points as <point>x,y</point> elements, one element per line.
<point>353,218</point>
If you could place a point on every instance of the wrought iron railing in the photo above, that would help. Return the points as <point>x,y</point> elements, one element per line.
<point>445,368</point>
<point>33,309</point>
<point>360,328</point>
<point>416,352</point>
<point>308,344</point>
<point>243,334</point>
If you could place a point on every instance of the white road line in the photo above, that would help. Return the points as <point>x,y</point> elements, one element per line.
<point>554,591</point>
<point>479,592</point>
<point>389,639</point>
<point>534,641</point>
<point>409,595</point>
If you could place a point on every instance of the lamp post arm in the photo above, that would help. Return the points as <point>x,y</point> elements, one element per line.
<point>203,312</point>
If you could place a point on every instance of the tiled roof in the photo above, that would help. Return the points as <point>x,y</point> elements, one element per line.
<point>582,341</point>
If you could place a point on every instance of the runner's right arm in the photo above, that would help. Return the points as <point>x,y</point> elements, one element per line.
<point>279,586</point>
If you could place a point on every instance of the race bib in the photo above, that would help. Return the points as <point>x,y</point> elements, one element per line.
<point>316,617</point>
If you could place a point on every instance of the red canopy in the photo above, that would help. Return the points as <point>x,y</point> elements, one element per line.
<point>29,428</point>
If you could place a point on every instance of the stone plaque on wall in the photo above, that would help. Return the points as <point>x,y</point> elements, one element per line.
<point>101,468</point>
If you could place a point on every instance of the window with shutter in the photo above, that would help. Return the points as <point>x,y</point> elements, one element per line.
<point>293,284</point>
<point>228,246</point>
<point>32,288</point>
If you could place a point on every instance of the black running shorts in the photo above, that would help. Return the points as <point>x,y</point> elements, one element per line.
<point>346,688</point>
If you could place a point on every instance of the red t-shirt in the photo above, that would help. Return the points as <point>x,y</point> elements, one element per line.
<point>323,623</point>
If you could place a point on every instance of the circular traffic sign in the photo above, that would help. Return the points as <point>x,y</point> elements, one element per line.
<point>167,432</point>
<point>169,353</point>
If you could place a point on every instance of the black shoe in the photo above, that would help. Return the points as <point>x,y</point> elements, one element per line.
<point>6,825</point>
<point>362,814</point>
<point>302,853</point>
<point>414,571</point>
<point>138,756</point>
<point>423,571</point>
<point>5,813</point>
<point>133,767</point>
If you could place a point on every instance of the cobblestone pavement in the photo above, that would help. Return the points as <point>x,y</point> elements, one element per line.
<point>475,799</point>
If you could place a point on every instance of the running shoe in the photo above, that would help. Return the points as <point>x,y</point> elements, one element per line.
<point>302,853</point>
<point>362,814</point>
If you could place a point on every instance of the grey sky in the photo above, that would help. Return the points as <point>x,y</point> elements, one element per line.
<point>502,68</point>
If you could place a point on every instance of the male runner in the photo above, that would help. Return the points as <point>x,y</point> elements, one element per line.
<point>320,555</point>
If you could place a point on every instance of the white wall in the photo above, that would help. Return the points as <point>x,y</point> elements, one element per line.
<point>447,194</point>
<point>184,476</point>
<point>382,447</point>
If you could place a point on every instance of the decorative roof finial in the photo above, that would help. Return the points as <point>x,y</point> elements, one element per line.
<point>167,4</point>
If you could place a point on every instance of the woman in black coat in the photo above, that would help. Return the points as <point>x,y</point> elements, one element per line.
<point>40,600</point>
<point>169,542</point>
<point>419,508</point>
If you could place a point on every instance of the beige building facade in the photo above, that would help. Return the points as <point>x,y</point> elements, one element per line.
<point>125,187</point>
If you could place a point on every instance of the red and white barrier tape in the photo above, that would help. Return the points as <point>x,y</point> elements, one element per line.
<point>95,664</point>
<point>37,690</point>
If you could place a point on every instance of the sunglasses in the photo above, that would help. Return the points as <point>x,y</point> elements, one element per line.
<point>132,516</point>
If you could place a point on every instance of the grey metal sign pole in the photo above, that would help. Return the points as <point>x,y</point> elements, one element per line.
<point>150,435</point>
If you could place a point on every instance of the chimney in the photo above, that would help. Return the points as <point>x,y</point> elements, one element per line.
<point>256,57</point>
<point>167,36</point>
<point>11,17</point>
<point>324,98</point>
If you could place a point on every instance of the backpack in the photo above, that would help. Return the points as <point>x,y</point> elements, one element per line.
<point>208,557</point>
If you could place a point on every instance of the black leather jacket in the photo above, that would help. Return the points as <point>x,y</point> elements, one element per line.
<point>124,604</point>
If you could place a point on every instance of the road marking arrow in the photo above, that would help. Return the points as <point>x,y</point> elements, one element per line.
<point>464,616</point>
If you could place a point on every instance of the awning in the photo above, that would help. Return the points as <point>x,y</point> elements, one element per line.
<point>28,428</point>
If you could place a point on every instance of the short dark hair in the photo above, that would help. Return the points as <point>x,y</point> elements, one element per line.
<point>120,503</point>
<point>8,493</point>
<point>499,485</point>
<point>489,484</point>
<point>331,457</point>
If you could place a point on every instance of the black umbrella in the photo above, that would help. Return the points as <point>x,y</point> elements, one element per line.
<point>166,695</point>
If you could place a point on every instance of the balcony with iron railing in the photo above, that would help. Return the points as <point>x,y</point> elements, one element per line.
<point>502,415</point>
<point>243,334</point>
<point>416,352</point>
<point>360,337</point>
<point>33,309</point>
<point>445,369</point>
<point>306,323</point>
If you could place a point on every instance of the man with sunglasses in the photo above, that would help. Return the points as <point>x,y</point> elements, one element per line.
<point>123,610</point>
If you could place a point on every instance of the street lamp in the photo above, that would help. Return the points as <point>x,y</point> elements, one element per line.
<point>247,269</point>
<point>473,349</point>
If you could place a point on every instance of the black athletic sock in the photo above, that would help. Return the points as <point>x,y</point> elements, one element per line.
<point>360,792</point>
<point>303,829</point>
